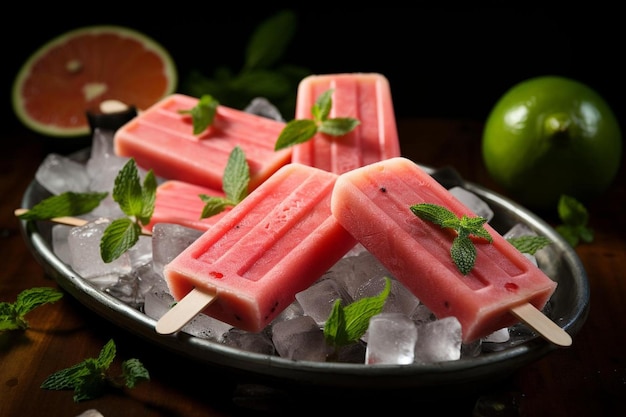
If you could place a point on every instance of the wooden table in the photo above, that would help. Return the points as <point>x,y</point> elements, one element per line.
<point>586,379</point>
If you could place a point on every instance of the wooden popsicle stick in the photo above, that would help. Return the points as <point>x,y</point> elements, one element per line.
<point>70,221</point>
<point>184,311</point>
<point>534,318</point>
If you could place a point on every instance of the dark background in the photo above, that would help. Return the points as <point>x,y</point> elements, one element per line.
<point>440,61</point>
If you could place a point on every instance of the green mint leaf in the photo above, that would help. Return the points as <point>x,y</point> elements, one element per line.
<point>436,214</point>
<point>89,379</point>
<point>234,184</point>
<point>301,130</point>
<point>529,244</point>
<point>117,238</point>
<point>12,315</point>
<point>127,191</point>
<point>463,254</point>
<point>134,372</point>
<point>346,325</point>
<point>295,131</point>
<point>203,113</point>
<point>572,212</point>
<point>324,103</point>
<point>106,356</point>
<point>66,204</point>
<point>66,378</point>
<point>236,176</point>
<point>462,251</point>
<point>148,198</point>
<point>269,40</point>
<point>213,205</point>
<point>338,126</point>
<point>134,198</point>
<point>575,217</point>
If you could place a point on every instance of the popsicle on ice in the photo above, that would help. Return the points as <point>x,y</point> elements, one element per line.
<point>179,202</point>
<point>160,138</point>
<point>248,266</point>
<point>504,287</point>
<point>364,96</point>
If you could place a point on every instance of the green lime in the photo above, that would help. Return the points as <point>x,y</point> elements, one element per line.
<point>549,136</point>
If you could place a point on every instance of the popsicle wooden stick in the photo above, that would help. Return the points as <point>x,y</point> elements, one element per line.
<point>548,329</point>
<point>70,221</point>
<point>183,311</point>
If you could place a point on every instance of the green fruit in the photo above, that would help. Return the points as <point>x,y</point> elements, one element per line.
<point>549,136</point>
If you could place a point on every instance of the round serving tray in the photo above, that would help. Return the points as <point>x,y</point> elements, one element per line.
<point>569,309</point>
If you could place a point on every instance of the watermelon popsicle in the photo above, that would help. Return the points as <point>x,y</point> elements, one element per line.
<point>179,202</point>
<point>161,138</point>
<point>503,287</point>
<point>363,96</point>
<point>248,266</point>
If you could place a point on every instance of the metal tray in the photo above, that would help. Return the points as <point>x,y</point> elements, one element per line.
<point>569,309</point>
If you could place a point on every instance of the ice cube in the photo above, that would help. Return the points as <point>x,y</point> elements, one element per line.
<point>317,301</point>
<point>84,247</point>
<point>391,339</point>
<point>58,174</point>
<point>473,202</point>
<point>251,342</point>
<point>169,240</point>
<point>438,341</point>
<point>300,339</point>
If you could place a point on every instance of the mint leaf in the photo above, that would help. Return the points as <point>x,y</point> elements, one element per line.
<point>234,184</point>
<point>90,378</point>
<point>203,113</point>
<point>118,237</point>
<point>529,244</point>
<point>575,217</point>
<point>295,132</point>
<point>134,372</point>
<point>66,204</point>
<point>346,325</point>
<point>213,205</point>
<point>270,40</point>
<point>462,251</point>
<point>127,189</point>
<point>137,201</point>
<point>236,176</point>
<point>338,126</point>
<point>12,315</point>
<point>301,130</point>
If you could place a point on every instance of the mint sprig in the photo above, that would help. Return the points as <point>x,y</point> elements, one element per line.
<point>463,251</point>
<point>136,201</point>
<point>203,113</point>
<point>90,378</point>
<point>575,218</point>
<point>529,244</point>
<point>66,204</point>
<point>234,184</point>
<point>346,325</point>
<point>262,73</point>
<point>12,315</point>
<point>301,130</point>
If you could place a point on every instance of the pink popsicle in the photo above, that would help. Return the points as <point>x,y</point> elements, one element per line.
<point>373,203</point>
<point>364,96</point>
<point>279,240</point>
<point>179,202</point>
<point>162,139</point>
